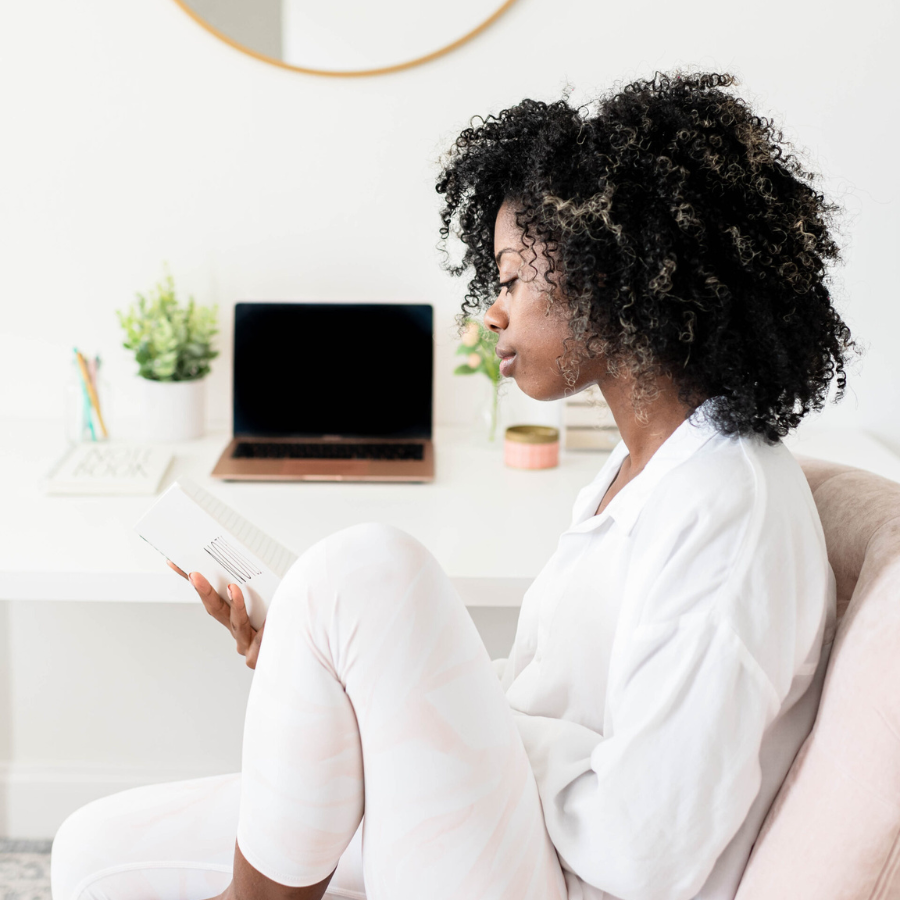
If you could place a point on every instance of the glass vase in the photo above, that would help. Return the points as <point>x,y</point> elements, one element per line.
<point>489,416</point>
<point>81,420</point>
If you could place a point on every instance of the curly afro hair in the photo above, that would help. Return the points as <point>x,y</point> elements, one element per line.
<point>683,236</point>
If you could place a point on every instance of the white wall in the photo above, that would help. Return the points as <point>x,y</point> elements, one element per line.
<point>132,136</point>
<point>6,710</point>
<point>105,696</point>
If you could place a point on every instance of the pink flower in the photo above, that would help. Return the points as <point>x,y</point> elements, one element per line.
<point>473,360</point>
<point>470,335</point>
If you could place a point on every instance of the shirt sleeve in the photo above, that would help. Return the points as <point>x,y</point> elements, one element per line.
<point>645,813</point>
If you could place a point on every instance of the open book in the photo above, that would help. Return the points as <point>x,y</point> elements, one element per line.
<point>199,533</point>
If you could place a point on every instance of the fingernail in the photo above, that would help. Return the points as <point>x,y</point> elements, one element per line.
<point>191,578</point>
<point>230,593</point>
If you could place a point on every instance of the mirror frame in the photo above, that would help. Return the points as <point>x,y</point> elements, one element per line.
<point>353,73</point>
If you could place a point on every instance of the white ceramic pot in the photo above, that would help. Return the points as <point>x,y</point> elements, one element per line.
<point>173,410</point>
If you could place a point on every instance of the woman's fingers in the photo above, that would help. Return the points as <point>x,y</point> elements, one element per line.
<point>253,652</point>
<point>243,631</point>
<point>214,604</point>
<point>247,637</point>
<point>234,618</point>
<point>175,568</point>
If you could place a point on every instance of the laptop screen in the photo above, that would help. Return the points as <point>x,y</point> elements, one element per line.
<point>347,369</point>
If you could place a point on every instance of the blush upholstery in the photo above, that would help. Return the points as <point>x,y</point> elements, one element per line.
<point>833,831</point>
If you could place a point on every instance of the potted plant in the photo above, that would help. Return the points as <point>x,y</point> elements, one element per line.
<point>478,344</point>
<point>172,345</point>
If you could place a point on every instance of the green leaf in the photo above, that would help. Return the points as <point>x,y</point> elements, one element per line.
<point>171,342</point>
<point>492,368</point>
<point>464,370</point>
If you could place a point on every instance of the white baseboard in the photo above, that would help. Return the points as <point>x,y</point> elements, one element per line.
<point>35,798</point>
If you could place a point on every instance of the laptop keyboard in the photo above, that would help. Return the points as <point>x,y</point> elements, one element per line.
<point>291,450</point>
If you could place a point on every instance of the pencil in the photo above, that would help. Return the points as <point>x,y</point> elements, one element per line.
<point>92,394</point>
<point>87,412</point>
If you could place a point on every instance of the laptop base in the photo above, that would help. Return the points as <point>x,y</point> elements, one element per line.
<point>229,468</point>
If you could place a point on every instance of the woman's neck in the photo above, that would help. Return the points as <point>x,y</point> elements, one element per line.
<point>643,437</point>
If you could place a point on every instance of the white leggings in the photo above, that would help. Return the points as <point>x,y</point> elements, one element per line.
<point>373,691</point>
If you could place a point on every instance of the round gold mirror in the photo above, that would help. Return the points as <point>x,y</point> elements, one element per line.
<point>345,37</point>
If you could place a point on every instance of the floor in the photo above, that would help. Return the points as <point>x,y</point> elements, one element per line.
<point>24,870</point>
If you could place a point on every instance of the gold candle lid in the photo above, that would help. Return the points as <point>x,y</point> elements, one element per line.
<point>532,434</point>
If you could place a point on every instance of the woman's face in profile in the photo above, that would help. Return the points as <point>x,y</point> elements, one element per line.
<point>531,327</point>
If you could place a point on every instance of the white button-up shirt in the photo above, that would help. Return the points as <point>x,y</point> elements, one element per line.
<point>668,664</point>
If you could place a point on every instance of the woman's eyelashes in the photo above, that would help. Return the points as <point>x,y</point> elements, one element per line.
<point>508,284</point>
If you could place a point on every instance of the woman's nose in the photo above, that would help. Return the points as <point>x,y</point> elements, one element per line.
<point>496,318</point>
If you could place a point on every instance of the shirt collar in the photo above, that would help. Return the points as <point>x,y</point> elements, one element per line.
<point>626,506</point>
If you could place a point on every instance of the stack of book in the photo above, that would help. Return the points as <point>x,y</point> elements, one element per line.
<point>588,423</point>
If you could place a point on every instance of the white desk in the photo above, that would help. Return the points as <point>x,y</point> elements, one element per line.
<point>492,528</point>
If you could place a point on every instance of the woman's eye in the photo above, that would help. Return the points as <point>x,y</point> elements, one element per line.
<point>507,284</point>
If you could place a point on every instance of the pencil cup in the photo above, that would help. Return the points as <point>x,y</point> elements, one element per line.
<point>81,419</point>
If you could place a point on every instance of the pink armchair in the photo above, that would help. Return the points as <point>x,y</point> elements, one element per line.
<point>833,831</point>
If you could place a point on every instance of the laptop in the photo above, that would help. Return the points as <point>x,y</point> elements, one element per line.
<point>331,392</point>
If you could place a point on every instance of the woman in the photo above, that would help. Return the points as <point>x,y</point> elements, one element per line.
<point>669,657</point>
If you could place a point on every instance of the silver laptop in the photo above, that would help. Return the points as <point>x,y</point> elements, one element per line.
<point>331,392</point>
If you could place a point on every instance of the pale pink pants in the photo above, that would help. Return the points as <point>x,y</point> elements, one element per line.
<point>373,692</point>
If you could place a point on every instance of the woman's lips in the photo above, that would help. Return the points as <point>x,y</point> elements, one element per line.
<point>507,361</point>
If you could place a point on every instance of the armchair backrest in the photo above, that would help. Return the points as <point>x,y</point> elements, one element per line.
<point>833,831</point>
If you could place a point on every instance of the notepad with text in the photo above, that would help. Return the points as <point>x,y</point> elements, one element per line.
<point>200,533</point>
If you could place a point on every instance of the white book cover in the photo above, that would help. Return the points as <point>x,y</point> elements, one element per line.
<point>109,468</point>
<point>199,533</point>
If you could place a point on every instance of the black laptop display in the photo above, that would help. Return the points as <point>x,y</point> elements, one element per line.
<point>352,374</point>
<point>314,369</point>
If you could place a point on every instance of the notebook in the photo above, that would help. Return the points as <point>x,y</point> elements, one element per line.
<point>199,533</point>
<point>331,392</point>
<point>109,468</point>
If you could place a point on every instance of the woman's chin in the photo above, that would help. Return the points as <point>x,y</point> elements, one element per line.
<point>541,392</point>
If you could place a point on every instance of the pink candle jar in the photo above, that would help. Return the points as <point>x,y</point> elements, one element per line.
<point>531,447</point>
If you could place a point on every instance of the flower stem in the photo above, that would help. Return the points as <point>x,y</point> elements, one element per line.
<point>494,392</point>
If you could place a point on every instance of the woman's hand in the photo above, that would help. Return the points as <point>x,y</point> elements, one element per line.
<point>234,618</point>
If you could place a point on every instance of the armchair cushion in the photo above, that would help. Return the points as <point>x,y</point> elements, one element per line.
<point>833,831</point>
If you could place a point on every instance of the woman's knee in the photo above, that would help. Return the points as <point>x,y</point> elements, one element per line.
<point>358,590</point>
<point>372,544</point>
<point>355,569</point>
